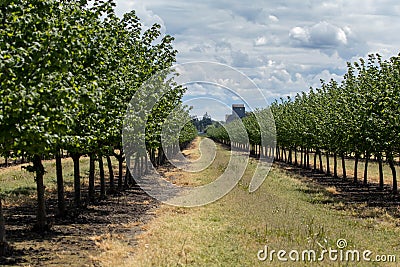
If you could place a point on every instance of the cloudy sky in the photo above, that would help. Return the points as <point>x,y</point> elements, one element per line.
<point>283,46</point>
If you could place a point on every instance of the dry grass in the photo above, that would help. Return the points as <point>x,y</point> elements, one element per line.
<point>192,152</point>
<point>114,250</point>
<point>332,190</point>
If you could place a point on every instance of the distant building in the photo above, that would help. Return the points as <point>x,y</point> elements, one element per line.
<point>238,111</point>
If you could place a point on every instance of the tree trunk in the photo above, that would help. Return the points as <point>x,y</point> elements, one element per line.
<point>367,156</point>
<point>284,153</point>
<point>91,178</point>
<point>380,163</point>
<point>308,158</point>
<point>161,156</point>
<point>393,169</point>
<point>315,160</point>
<point>295,156</point>
<point>321,165</point>
<point>356,167</point>
<point>142,166</point>
<point>120,158</point>
<point>277,153</point>
<point>153,157</point>
<point>280,158</point>
<point>127,170</point>
<point>102,178</point>
<point>146,167</point>
<point>344,166</point>
<point>328,167</point>
<point>335,165</point>
<point>301,157</point>
<point>305,158</point>
<point>126,179</point>
<point>60,186</point>
<point>111,173</point>
<point>41,223</point>
<point>120,172</point>
<point>77,180</point>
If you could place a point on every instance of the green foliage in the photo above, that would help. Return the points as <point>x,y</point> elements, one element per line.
<point>68,72</point>
<point>360,115</point>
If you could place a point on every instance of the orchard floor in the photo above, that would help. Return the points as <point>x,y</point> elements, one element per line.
<point>293,209</point>
<point>78,239</point>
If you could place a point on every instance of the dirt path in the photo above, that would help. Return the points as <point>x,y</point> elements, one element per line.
<point>77,240</point>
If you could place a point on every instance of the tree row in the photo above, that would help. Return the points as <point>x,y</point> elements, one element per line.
<point>357,118</point>
<point>68,71</point>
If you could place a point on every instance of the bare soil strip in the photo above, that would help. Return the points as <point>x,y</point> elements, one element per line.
<point>76,240</point>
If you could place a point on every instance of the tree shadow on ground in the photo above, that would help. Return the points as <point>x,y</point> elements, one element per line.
<point>70,239</point>
<point>347,191</point>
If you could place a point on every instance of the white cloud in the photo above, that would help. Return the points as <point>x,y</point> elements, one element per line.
<point>300,34</point>
<point>260,41</point>
<point>273,18</point>
<point>321,35</point>
<point>326,34</point>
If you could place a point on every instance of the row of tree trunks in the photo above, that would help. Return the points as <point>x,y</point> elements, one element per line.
<point>304,163</point>
<point>42,223</point>
<point>77,180</point>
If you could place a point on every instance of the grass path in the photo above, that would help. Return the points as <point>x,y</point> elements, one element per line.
<point>286,213</point>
